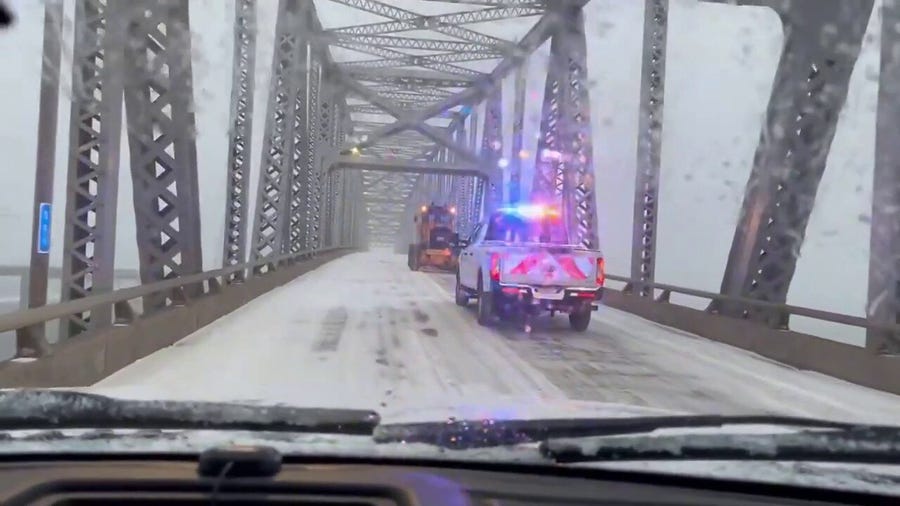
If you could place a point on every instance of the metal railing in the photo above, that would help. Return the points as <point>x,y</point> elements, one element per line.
<point>177,292</point>
<point>632,286</point>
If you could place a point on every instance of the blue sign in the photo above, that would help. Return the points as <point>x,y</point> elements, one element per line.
<point>43,241</point>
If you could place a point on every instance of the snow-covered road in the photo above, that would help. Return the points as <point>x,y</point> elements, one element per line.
<point>363,331</point>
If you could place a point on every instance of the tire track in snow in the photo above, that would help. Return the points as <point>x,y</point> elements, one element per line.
<point>331,330</point>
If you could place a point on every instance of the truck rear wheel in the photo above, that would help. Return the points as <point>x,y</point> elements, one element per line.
<point>485,304</point>
<point>579,320</point>
<point>413,257</point>
<point>462,298</point>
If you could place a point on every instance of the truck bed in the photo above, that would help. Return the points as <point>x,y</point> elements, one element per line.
<point>543,265</point>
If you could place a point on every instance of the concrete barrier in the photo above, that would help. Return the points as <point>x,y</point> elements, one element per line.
<point>87,358</point>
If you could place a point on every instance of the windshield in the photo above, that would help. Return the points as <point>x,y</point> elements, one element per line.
<point>216,201</point>
<point>440,217</point>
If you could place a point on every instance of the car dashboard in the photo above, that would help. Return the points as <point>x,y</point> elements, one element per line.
<point>130,481</point>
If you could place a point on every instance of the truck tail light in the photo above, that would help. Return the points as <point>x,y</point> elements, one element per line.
<point>495,267</point>
<point>601,271</point>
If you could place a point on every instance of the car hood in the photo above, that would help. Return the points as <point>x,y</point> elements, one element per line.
<point>426,409</point>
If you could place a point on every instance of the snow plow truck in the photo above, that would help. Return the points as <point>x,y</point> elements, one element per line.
<point>434,238</point>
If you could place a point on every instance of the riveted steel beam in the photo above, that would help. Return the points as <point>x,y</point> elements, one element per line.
<point>535,37</point>
<point>649,150</point>
<point>810,89</point>
<point>95,126</point>
<point>162,136</point>
<point>273,202</point>
<point>241,133</point>
<point>884,247</point>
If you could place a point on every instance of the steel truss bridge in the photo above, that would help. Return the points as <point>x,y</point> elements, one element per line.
<point>351,148</point>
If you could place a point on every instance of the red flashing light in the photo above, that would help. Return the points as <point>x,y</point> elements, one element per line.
<point>601,271</point>
<point>495,267</point>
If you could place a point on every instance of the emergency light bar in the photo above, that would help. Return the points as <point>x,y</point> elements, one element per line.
<point>530,211</point>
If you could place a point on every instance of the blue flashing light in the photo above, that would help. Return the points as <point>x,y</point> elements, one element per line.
<point>528,211</point>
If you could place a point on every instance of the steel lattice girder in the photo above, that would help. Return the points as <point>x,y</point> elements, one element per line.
<point>884,261</point>
<point>93,172</point>
<point>422,60</point>
<point>384,98</point>
<point>578,191</point>
<point>437,66</point>
<point>159,102</point>
<point>518,142</point>
<point>273,204</point>
<point>649,150</point>
<point>532,40</point>
<point>428,130</point>
<point>419,44</point>
<point>490,191</point>
<point>410,77</point>
<point>564,171</point>
<point>405,20</point>
<point>242,88</point>
<point>406,166</point>
<point>810,90</point>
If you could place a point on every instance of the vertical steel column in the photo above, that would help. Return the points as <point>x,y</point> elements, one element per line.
<point>95,130</point>
<point>809,91</point>
<point>343,197</point>
<point>314,172</point>
<point>273,202</point>
<point>650,126</point>
<point>338,176</point>
<point>300,154</point>
<point>546,187</point>
<point>884,249</point>
<point>161,136</point>
<point>577,177</point>
<point>234,249</point>
<point>518,146</point>
<point>31,341</point>
<point>475,200</point>
<point>492,152</point>
<point>327,98</point>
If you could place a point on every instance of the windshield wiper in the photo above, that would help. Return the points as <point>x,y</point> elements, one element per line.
<point>63,409</point>
<point>465,434</point>
<point>859,445</point>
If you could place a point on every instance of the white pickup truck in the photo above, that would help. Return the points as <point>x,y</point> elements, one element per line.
<point>518,263</point>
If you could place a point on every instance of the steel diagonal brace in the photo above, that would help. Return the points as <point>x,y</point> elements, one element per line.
<point>420,126</point>
<point>402,15</point>
<point>481,88</point>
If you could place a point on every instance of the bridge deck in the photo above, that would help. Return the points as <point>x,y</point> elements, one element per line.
<point>363,331</point>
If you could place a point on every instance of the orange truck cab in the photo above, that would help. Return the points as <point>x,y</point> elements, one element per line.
<point>435,236</point>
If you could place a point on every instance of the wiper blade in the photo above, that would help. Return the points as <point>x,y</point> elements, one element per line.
<point>860,445</point>
<point>465,434</point>
<point>62,409</point>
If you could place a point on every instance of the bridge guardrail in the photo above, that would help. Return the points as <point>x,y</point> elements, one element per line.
<point>877,365</point>
<point>196,300</point>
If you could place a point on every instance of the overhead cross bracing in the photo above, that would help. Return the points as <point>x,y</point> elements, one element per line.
<point>401,71</point>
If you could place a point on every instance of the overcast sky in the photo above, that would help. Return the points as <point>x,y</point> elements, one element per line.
<point>721,60</point>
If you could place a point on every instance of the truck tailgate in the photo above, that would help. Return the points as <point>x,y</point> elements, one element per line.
<point>542,265</point>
